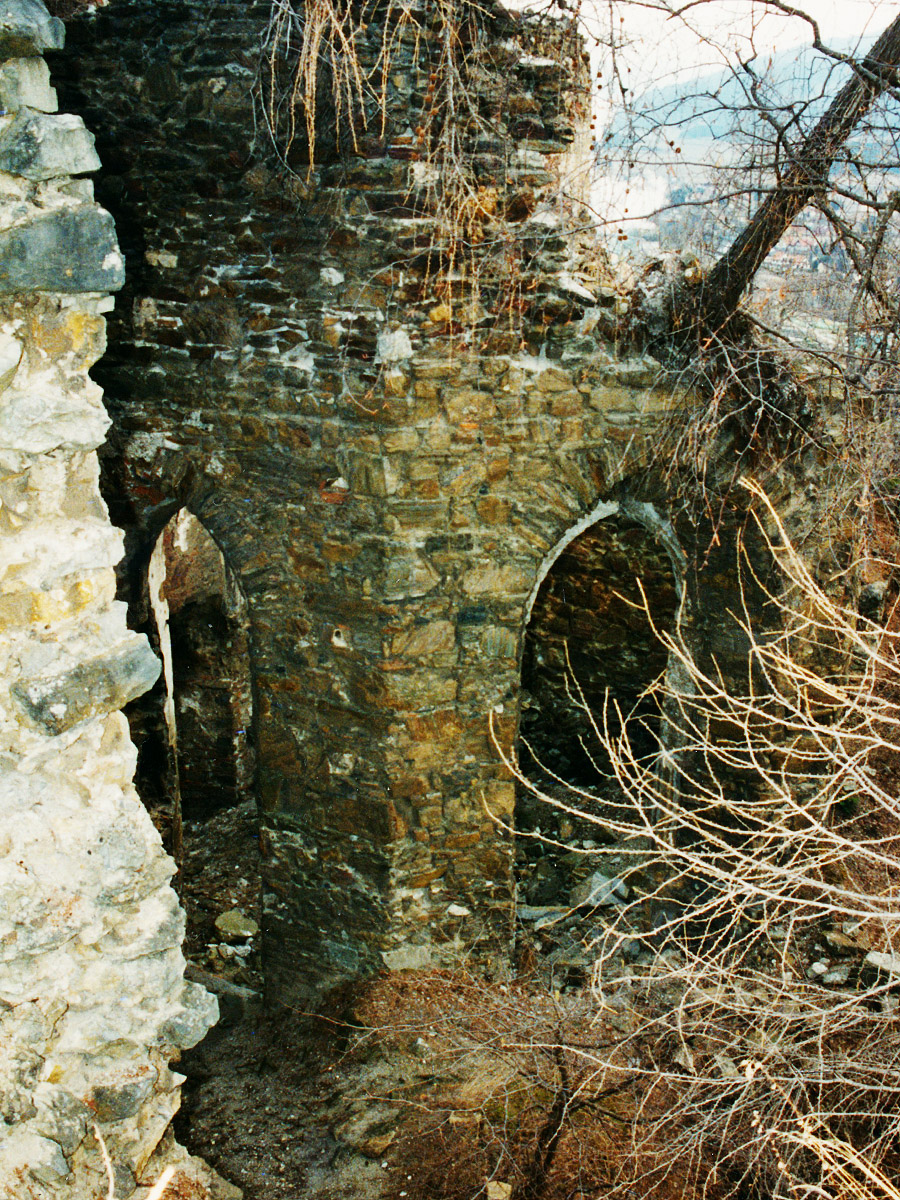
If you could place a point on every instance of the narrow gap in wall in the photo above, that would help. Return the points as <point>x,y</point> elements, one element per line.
<point>202,627</point>
<point>589,649</point>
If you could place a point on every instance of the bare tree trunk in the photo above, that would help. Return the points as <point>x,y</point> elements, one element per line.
<point>733,273</point>
<point>534,1179</point>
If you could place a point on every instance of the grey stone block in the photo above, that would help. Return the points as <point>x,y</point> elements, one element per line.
<point>56,701</point>
<point>236,1002</point>
<point>408,958</point>
<point>27,29</point>
<point>116,1101</point>
<point>37,1155</point>
<point>597,891</point>
<point>70,250</point>
<point>884,964</point>
<point>195,1016</point>
<point>235,926</point>
<point>40,146</point>
<point>62,1117</point>
<point>25,82</point>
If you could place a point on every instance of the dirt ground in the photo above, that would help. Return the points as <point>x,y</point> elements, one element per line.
<point>380,1099</point>
<point>273,1102</point>
<point>438,1085</point>
<point>261,1104</point>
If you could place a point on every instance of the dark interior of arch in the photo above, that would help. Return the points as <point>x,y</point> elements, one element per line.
<point>587,638</point>
<point>210,671</point>
<point>205,720</point>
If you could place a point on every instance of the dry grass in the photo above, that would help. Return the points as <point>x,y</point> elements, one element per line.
<point>717,1065</point>
<point>766,825</point>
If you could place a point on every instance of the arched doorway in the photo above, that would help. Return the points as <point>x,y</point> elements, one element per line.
<point>202,629</point>
<point>591,652</point>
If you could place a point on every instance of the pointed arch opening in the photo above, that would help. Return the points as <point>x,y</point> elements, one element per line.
<point>591,652</point>
<point>206,767</point>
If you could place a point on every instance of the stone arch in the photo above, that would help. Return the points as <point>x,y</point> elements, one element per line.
<point>585,639</point>
<point>711,600</point>
<point>149,484</point>
<point>200,620</point>
<point>202,626</point>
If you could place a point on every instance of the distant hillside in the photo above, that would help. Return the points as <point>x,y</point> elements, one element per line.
<point>710,106</point>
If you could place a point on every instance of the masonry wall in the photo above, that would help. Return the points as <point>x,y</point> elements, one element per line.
<point>385,479</point>
<point>93,1003</point>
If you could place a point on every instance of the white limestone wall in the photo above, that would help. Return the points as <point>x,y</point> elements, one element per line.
<point>93,1002</point>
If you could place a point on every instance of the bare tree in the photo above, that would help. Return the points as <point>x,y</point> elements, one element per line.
<point>820,148</point>
<point>809,167</point>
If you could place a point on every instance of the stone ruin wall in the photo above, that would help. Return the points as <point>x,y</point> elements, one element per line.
<point>388,482</point>
<point>93,1002</point>
<point>385,483</point>
<point>388,487</point>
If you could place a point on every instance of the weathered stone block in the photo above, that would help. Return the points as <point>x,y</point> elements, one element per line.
<point>61,1116</point>
<point>640,372</point>
<point>409,576</point>
<point>469,405</point>
<point>25,82</point>
<point>408,958</point>
<point>497,642</point>
<point>119,1097</point>
<point>195,1015</point>
<point>461,841</point>
<point>463,480</point>
<point>27,29</point>
<point>597,891</point>
<point>493,510</point>
<point>884,964</point>
<point>553,381</point>
<point>34,559</point>
<point>608,396</point>
<point>500,797</point>
<point>424,641</point>
<point>420,688</point>
<point>25,1153</point>
<point>507,580</point>
<point>58,700</point>
<point>40,419</point>
<point>70,250</point>
<point>69,332</point>
<point>400,441</point>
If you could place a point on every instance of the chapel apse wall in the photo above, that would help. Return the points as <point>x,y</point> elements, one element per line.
<point>383,481</point>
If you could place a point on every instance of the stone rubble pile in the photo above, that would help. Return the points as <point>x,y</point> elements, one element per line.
<point>93,1001</point>
<point>573,915</point>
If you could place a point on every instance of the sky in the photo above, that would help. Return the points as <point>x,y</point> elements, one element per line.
<point>656,43</point>
<point>655,48</point>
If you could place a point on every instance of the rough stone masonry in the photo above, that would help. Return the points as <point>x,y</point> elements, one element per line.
<point>389,486</point>
<point>387,481</point>
<point>93,1002</point>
